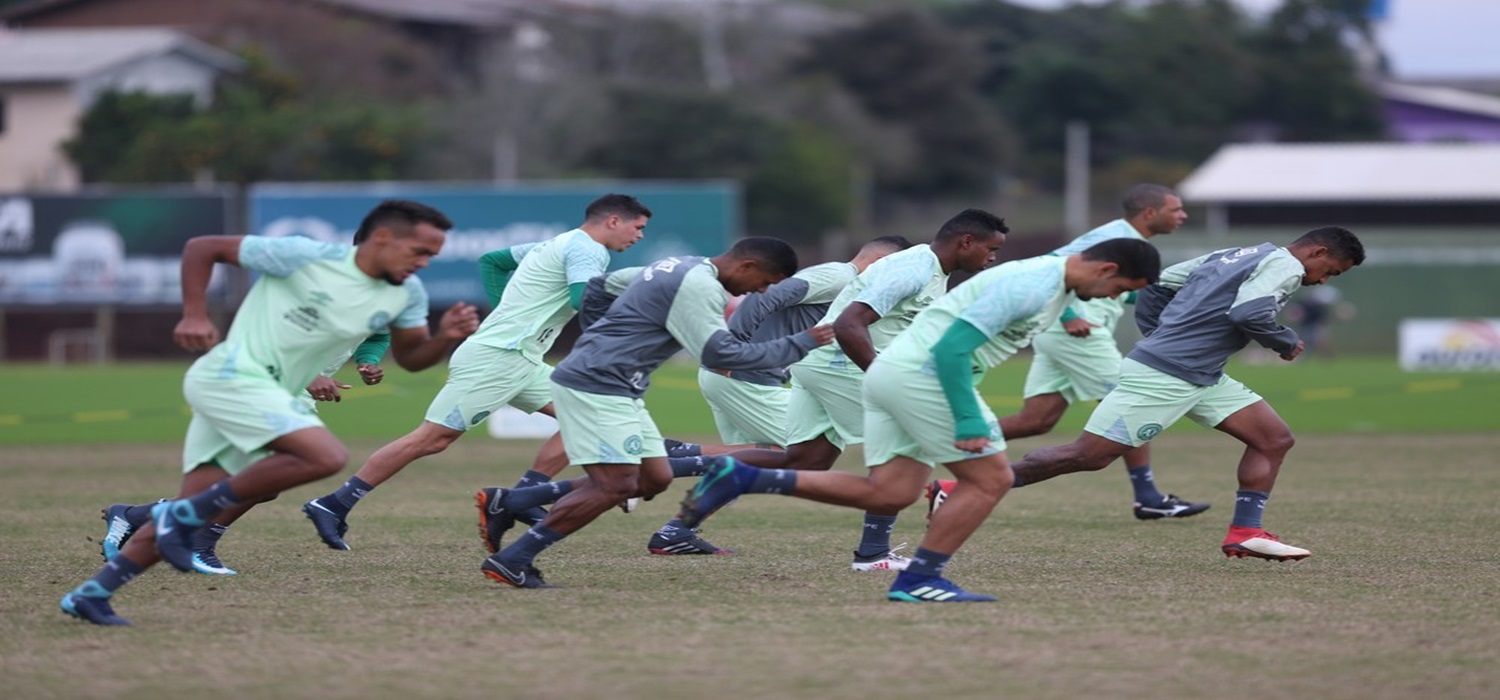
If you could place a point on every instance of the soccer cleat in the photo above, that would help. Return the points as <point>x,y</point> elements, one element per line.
<point>629,505</point>
<point>913,588</point>
<point>678,448</point>
<point>937,493</point>
<point>886,561</point>
<point>206,561</point>
<point>717,488</point>
<point>526,577</point>
<point>95,610</point>
<point>330,525</point>
<point>118,530</point>
<point>691,544</point>
<point>174,534</point>
<point>1255,542</point>
<point>494,519</point>
<point>1171,507</point>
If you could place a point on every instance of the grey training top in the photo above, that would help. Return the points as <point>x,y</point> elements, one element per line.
<point>675,304</point>
<point>1206,309</point>
<point>790,306</point>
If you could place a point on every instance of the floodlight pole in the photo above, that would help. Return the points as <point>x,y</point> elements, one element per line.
<point>1076,178</point>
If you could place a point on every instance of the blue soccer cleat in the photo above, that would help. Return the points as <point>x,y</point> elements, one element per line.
<point>717,488</point>
<point>330,525</point>
<point>494,519</point>
<point>915,588</point>
<point>206,561</point>
<point>95,610</point>
<point>118,530</point>
<point>174,521</point>
<point>527,576</point>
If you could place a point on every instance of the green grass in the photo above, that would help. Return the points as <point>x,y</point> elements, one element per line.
<point>143,402</point>
<point>1399,600</point>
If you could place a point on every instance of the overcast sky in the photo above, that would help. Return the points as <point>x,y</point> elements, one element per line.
<point>1422,38</point>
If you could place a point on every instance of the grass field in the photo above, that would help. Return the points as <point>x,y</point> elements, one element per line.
<point>1392,486</point>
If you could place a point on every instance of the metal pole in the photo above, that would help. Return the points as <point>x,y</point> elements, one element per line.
<point>1076,178</point>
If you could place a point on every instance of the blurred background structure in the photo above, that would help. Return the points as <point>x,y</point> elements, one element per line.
<point>825,122</point>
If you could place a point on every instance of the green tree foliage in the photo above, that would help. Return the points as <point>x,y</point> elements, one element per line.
<point>261,126</point>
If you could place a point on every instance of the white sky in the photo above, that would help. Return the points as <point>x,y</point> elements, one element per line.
<point>1422,38</point>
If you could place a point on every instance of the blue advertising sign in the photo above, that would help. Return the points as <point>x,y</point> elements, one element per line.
<point>700,218</point>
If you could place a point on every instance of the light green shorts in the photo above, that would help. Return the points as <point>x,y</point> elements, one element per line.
<point>238,409</point>
<point>1148,401</point>
<point>907,415</point>
<point>604,429</point>
<point>481,379</point>
<point>746,414</point>
<point>1081,369</point>
<point>826,403</point>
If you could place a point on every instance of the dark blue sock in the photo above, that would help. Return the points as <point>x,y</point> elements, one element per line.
<point>532,477</point>
<point>115,573</point>
<point>206,538</point>
<point>347,496</point>
<point>757,480</point>
<point>209,503</point>
<point>1144,484</point>
<point>1248,506</point>
<point>531,543</point>
<point>926,562</point>
<point>139,515</point>
<point>517,500</point>
<point>876,536</point>
<point>687,466</point>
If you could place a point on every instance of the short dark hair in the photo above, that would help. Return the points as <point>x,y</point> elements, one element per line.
<point>1339,241</point>
<point>621,205</point>
<point>774,254</point>
<point>897,242</point>
<point>1137,259</point>
<point>1145,196</point>
<point>974,222</point>
<point>402,211</point>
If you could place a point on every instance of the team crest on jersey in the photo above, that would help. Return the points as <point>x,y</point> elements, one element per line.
<point>379,321</point>
<point>633,445</point>
<point>320,297</point>
<point>479,417</point>
<point>1148,431</point>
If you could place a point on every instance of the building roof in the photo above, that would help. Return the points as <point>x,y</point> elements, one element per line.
<point>1346,172</point>
<point>1444,98</point>
<point>66,55</point>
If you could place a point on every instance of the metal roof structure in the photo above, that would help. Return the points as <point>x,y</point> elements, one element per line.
<point>1285,173</point>
<point>67,55</point>
<point>1444,98</point>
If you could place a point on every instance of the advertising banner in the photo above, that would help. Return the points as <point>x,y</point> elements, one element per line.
<point>689,219</point>
<point>101,248</point>
<point>1450,344</point>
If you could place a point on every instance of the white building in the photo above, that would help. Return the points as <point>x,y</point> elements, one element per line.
<point>50,77</point>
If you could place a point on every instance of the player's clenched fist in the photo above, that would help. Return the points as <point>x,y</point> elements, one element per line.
<point>197,334</point>
<point>823,334</point>
<point>459,321</point>
<point>370,374</point>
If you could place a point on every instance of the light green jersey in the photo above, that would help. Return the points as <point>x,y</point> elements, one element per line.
<point>897,287</point>
<point>1010,304</point>
<point>1103,311</point>
<point>536,304</point>
<point>311,306</point>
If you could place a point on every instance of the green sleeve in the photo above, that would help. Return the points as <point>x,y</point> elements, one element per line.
<point>372,349</point>
<point>1130,297</point>
<point>575,294</point>
<point>496,267</point>
<point>1068,314</point>
<point>953,355</point>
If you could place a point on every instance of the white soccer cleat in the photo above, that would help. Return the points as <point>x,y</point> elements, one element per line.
<point>890,561</point>
<point>1255,542</point>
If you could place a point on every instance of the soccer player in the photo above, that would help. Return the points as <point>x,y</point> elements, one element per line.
<point>922,407</point>
<point>825,413</point>
<point>676,304</point>
<point>1077,360</point>
<point>502,363</point>
<point>121,520</point>
<point>1199,314</point>
<point>251,437</point>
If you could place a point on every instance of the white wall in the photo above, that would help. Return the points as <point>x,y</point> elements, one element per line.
<point>37,120</point>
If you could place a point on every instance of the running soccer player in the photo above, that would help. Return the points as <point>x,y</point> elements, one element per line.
<point>922,407</point>
<point>502,363</point>
<point>251,437</point>
<point>1077,359</point>
<point>1199,314</point>
<point>676,304</point>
